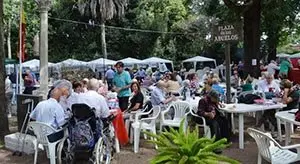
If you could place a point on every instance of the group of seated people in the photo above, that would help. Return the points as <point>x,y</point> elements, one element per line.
<point>170,87</point>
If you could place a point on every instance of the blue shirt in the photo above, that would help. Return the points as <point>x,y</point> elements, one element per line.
<point>157,96</point>
<point>141,73</point>
<point>121,80</point>
<point>218,88</point>
<point>49,112</point>
<point>109,74</point>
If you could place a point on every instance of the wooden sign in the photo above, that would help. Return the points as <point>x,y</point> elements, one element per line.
<point>226,33</point>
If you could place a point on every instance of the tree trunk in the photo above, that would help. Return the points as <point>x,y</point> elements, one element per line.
<point>8,39</point>
<point>3,115</point>
<point>252,38</point>
<point>272,42</point>
<point>103,45</point>
<point>272,52</point>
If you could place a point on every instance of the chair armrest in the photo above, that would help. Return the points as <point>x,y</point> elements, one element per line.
<point>147,119</point>
<point>162,113</point>
<point>139,114</point>
<point>296,146</point>
<point>203,119</point>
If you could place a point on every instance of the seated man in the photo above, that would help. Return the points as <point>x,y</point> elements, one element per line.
<point>94,99</point>
<point>50,111</point>
<point>268,86</point>
<point>208,108</point>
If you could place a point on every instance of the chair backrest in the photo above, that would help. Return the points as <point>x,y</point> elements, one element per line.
<point>41,130</point>
<point>180,109</point>
<point>156,111</point>
<point>264,142</point>
<point>82,111</point>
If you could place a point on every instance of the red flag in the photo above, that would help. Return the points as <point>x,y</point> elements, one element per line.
<point>22,34</point>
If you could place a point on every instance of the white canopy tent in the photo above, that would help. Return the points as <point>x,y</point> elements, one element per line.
<point>70,63</point>
<point>33,64</point>
<point>102,61</point>
<point>100,64</point>
<point>198,62</point>
<point>297,55</point>
<point>282,55</point>
<point>130,60</point>
<point>157,62</point>
<point>199,58</point>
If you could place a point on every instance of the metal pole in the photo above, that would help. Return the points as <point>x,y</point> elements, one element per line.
<point>227,59</point>
<point>20,49</point>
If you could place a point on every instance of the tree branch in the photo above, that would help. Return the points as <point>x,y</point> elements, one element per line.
<point>239,8</point>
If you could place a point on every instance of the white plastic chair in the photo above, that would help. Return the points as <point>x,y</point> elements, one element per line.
<point>181,108</point>
<point>131,115</point>
<point>271,151</point>
<point>206,128</point>
<point>143,124</point>
<point>42,132</point>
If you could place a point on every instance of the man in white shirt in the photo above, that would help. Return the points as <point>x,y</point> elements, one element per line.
<point>94,99</point>
<point>50,111</point>
<point>65,87</point>
<point>268,85</point>
<point>272,67</point>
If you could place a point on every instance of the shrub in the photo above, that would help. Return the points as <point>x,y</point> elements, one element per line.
<point>178,147</point>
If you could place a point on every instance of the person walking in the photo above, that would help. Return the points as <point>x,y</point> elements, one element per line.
<point>121,85</point>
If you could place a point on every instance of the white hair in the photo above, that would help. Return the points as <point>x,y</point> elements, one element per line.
<point>93,84</point>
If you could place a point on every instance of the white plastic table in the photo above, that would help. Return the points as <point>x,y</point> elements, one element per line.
<point>288,117</point>
<point>241,109</point>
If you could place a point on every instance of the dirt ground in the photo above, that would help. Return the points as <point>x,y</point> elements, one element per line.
<point>147,151</point>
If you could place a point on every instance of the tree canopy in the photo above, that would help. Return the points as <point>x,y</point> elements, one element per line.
<point>173,29</point>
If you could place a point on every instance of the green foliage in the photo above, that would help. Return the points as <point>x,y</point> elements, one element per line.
<point>178,147</point>
<point>12,13</point>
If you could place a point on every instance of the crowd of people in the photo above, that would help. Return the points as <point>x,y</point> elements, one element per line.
<point>130,91</point>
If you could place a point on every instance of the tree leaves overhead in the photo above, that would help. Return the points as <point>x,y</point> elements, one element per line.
<point>102,10</point>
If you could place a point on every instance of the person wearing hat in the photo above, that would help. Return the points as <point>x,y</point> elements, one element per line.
<point>208,108</point>
<point>158,94</point>
<point>121,84</point>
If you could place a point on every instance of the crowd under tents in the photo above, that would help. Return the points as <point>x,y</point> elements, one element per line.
<point>33,65</point>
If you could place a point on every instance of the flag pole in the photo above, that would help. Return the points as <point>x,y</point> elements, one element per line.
<point>20,48</point>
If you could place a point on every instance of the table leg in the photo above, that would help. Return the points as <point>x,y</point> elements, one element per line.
<point>241,131</point>
<point>279,129</point>
<point>232,123</point>
<point>287,133</point>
